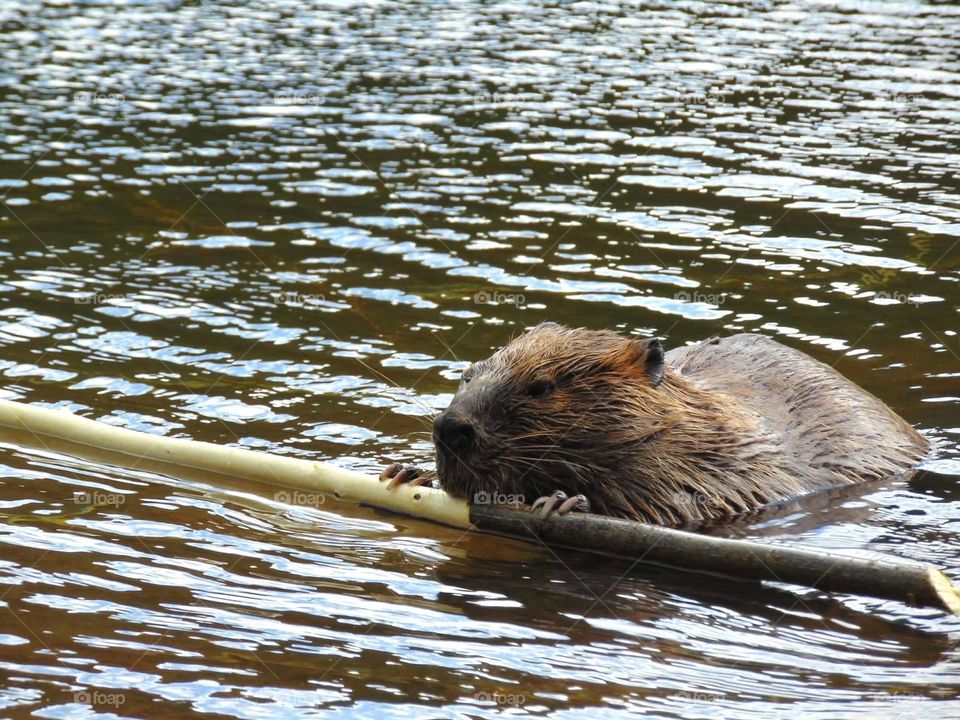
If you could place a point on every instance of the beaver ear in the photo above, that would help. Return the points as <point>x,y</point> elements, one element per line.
<point>653,360</point>
<point>547,325</point>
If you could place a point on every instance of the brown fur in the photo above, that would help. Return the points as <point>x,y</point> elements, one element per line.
<point>735,424</point>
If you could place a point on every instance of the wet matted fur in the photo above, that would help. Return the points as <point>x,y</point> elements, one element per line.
<point>702,432</point>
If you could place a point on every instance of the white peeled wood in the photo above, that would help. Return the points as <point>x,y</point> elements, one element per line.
<point>284,472</point>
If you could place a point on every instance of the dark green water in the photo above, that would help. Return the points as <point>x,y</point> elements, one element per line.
<point>289,225</point>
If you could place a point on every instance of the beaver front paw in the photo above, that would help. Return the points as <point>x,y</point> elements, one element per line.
<point>549,503</point>
<point>399,474</point>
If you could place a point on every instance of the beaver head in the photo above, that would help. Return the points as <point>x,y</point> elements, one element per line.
<point>557,408</point>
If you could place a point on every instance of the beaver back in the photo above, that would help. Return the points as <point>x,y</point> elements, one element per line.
<point>831,431</point>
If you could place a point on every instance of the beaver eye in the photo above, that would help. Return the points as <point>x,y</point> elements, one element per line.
<point>540,388</point>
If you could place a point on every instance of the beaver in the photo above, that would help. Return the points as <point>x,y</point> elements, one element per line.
<point>590,419</point>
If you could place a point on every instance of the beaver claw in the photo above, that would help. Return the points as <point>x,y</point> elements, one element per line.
<point>399,474</point>
<point>578,503</point>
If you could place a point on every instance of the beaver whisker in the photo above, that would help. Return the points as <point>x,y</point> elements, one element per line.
<point>541,434</point>
<point>541,450</point>
<point>447,346</point>
<point>550,456</point>
<point>553,479</point>
<point>538,462</point>
<point>376,372</point>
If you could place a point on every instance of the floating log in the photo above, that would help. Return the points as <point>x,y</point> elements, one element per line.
<point>887,578</point>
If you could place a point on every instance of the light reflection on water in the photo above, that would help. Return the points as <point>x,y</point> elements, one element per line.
<point>289,226</point>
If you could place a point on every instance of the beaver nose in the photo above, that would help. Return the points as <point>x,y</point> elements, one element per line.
<point>453,432</point>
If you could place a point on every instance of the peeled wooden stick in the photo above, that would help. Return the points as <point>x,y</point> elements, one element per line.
<point>909,582</point>
<point>295,474</point>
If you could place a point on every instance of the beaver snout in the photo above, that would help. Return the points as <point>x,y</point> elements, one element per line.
<point>453,432</point>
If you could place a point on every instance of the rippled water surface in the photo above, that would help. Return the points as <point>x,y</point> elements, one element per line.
<point>289,225</point>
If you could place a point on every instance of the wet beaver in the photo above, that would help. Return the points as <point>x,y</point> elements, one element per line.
<point>700,433</point>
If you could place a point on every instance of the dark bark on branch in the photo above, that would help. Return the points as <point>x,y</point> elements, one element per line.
<point>890,579</point>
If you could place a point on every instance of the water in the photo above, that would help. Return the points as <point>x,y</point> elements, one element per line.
<point>290,225</point>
